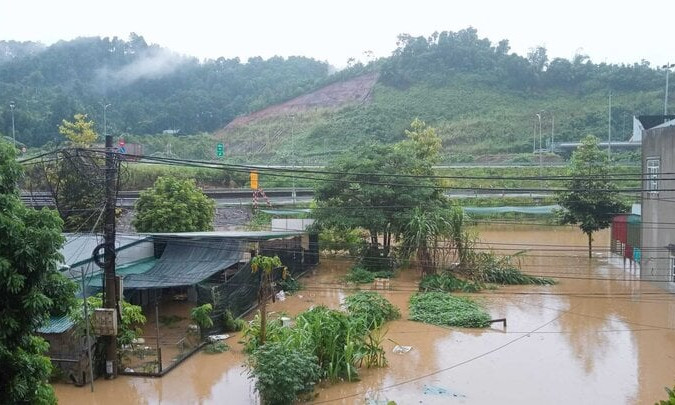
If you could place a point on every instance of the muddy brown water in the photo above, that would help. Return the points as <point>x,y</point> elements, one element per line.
<point>597,337</point>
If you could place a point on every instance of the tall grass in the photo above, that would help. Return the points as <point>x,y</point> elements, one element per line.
<point>341,341</point>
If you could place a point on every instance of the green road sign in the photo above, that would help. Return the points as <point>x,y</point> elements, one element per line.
<point>220,150</point>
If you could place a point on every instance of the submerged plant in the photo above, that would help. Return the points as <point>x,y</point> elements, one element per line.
<point>216,347</point>
<point>446,282</point>
<point>371,309</point>
<point>443,309</point>
<point>360,275</point>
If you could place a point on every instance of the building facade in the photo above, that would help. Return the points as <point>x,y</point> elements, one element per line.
<point>658,204</point>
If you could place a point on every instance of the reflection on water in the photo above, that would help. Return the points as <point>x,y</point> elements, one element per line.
<point>596,337</point>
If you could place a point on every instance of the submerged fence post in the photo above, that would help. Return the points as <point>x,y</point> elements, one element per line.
<point>159,349</point>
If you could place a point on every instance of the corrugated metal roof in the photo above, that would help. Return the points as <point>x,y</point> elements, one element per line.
<point>137,267</point>
<point>57,324</point>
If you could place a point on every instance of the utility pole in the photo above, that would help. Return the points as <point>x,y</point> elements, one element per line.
<point>109,247</point>
<point>667,66</point>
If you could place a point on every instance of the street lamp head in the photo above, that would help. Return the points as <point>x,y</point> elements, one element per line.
<point>12,104</point>
<point>668,66</point>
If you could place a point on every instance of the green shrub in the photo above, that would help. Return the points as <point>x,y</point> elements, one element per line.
<point>446,282</point>
<point>443,309</point>
<point>372,308</point>
<point>231,324</point>
<point>282,373</point>
<point>289,285</point>
<point>201,316</point>
<point>359,275</point>
<point>251,332</point>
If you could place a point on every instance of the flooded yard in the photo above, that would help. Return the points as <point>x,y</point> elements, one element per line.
<point>598,336</point>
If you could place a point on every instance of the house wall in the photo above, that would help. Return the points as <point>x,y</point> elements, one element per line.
<point>658,206</point>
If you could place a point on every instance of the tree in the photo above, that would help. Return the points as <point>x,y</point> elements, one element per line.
<point>174,205</point>
<point>266,265</point>
<point>80,133</point>
<point>590,197</point>
<point>29,254</point>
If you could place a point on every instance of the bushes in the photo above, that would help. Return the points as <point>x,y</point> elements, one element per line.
<point>360,275</point>
<point>372,308</point>
<point>339,342</point>
<point>282,373</point>
<point>501,270</point>
<point>512,275</point>
<point>446,282</point>
<point>446,310</point>
<point>289,285</point>
<point>232,324</point>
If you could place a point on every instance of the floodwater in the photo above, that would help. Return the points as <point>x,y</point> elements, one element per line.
<point>597,337</point>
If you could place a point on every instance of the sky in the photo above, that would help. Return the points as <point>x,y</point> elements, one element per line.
<point>612,32</point>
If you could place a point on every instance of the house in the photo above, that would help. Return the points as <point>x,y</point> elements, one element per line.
<point>67,346</point>
<point>658,209</point>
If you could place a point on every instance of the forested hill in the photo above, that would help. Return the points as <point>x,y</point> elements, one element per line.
<point>150,88</point>
<point>481,97</point>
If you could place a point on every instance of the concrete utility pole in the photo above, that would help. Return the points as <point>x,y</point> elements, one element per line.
<point>667,66</point>
<point>11,108</point>
<point>109,249</point>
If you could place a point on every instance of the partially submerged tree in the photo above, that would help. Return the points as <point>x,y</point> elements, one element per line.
<point>266,265</point>
<point>378,187</point>
<point>590,198</point>
<point>29,254</point>
<point>174,205</point>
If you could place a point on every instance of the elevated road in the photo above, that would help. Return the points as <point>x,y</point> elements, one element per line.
<point>277,196</point>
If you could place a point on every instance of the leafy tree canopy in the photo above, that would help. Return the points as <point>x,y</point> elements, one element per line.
<point>590,199</point>
<point>174,205</point>
<point>29,253</point>
<point>79,132</point>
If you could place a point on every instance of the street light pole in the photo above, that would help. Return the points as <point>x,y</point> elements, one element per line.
<point>609,127</point>
<point>540,148</point>
<point>105,123</point>
<point>11,107</point>
<point>667,66</point>
<point>293,157</point>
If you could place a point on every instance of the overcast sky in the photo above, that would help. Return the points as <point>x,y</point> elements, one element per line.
<point>616,32</point>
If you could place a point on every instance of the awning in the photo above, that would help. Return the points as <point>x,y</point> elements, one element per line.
<point>188,261</point>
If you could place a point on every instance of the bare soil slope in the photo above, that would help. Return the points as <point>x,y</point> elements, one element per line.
<point>357,90</point>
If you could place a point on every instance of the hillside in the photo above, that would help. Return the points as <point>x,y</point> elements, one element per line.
<point>150,88</point>
<point>482,99</point>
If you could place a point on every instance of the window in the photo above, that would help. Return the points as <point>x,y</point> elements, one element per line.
<point>653,168</point>
<point>672,268</point>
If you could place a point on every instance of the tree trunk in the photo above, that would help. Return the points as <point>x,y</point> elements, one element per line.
<point>590,244</point>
